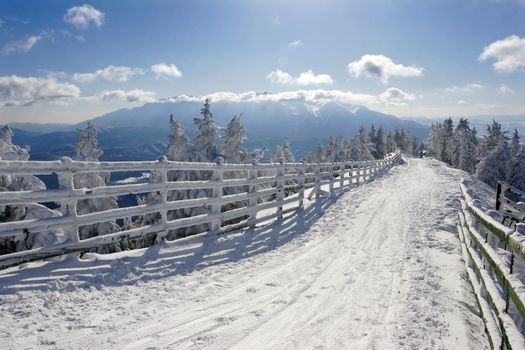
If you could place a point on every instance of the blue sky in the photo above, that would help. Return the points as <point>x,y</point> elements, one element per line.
<point>64,61</point>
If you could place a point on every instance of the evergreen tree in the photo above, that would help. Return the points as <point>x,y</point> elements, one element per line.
<point>87,150</point>
<point>359,147</point>
<point>330,150</point>
<point>517,171</point>
<point>234,136</point>
<point>494,156</point>
<point>205,141</point>
<point>320,153</point>
<point>380,143</point>
<point>178,146</point>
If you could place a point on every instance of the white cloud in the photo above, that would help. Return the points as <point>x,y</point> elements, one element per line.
<point>110,73</point>
<point>506,90</point>
<point>163,70</point>
<point>83,16</point>
<point>305,78</point>
<point>509,54</point>
<point>280,77</point>
<point>396,97</point>
<point>462,102</point>
<point>134,96</point>
<point>319,97</point>
<point>465,88</point>
<point>24,45</point>
<point>382,68</point>
<point>16,91</point>
<point>296,43</point>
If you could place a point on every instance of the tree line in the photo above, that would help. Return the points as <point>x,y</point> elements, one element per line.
<point>492,157</point>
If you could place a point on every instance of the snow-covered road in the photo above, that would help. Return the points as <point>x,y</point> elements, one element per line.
<point>378,269</point>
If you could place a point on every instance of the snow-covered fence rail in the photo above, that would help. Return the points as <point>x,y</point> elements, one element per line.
<point>279,186</point>
<point>510,202</point>
<point>495,261</point>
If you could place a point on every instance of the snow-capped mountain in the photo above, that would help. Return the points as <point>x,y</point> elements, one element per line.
<point>141,132</point>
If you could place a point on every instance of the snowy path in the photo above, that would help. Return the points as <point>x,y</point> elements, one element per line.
<point>380,269</point>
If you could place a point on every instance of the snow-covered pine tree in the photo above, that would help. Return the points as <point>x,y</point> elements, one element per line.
<point>463,153</point>
<point>330,150</point>
<point>390,143</point>
<point>372,138</point>
<point>380,143</point>
<point>320,154</point>
<point>22,240</point>
<point>494,156</point>
<point>517,170</point>
<point>205,141</point>
<point>284,152</point>
<point>178,146</point>
<point>359,146</point>
<point>234,136</point>
<point>87,150</point>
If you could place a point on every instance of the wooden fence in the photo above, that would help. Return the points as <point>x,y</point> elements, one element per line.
<point>495,261</point>
<point>270,181</point>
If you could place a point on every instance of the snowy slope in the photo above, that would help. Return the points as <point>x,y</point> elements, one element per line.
<point>379,267</point>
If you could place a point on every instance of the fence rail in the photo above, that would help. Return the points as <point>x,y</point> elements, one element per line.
<point>256,180</point>
<point>493,253</point>
<point>510,202</point>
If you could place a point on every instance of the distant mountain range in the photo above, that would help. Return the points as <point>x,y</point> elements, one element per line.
<point>142,133</point>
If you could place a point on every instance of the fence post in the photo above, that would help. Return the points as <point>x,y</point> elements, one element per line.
<point>163,200</point>
<point>301,184</point>
<point>317,180</point>
<point>331,185</point>
<point>217,177</point>
<point>342,166</point>
<point>498,196</point>
<point>280,188</point>
<point>68,207</point>
<point>252,188</point>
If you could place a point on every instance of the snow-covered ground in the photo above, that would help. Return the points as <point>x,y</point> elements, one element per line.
<point>377,267</point>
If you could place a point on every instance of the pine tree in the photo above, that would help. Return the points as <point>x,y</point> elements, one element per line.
<point>178,146</point>
<point>359,147</point>
<point>517,170</point>
<point>234,136</point>
<point>284,153</point>
<point>22,240</point>
<point>494,156</point>
<point>205,142</point>
<point>320,153</point>
<point>380,143</point>
<point>87,150</point>
<point>330,150</point>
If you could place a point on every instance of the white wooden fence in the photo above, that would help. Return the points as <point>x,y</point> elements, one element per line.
<point>495,261</point>
<point>255,178</point>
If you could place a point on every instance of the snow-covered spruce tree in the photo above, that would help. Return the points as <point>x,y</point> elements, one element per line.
<point>201,149</point>
<point>339,149</point>
<point>233,151</point>
<point>178,146</point>
<point>372,139</point>
<point>234,136</point>
<point>463,147</point>
<point>330,150</point>
<point>380,143</point>
<point>204,143</point>
<point>284,152</point>
<point>517,170</point>
<point>390,143</point>
<point>22,240</point>
<point>494,156</point>
<point>320,154</point>
<point>359,146</point>
<point>87,150</point>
